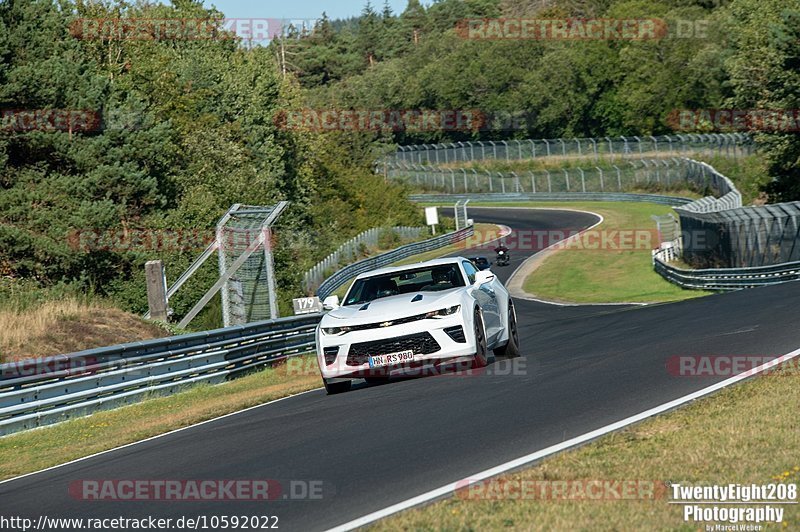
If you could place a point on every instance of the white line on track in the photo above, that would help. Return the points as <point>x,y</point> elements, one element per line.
<point>449,489</point>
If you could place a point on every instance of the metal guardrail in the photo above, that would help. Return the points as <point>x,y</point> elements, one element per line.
<point>54,389</point>
<point>332,283</point>
<point>726,278</point>
<point>350,250</point>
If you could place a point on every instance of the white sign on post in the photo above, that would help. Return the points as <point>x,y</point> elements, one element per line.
<point>307,305</point>
<point>432,217</point>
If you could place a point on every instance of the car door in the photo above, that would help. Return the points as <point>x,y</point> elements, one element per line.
<point>487,299</point>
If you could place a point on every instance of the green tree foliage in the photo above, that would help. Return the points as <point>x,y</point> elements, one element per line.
<point>738,53</point>
<point>765,74</point>
<point>188,128</point>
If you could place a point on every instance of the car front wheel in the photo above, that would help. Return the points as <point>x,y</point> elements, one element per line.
<point>511,349</point>
<point>482,357</point>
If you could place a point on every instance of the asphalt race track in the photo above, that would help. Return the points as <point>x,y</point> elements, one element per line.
<point>583,368</point>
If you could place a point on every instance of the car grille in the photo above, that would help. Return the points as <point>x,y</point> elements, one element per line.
<point>421,344</point>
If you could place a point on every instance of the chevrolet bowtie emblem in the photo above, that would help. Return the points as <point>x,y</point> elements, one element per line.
<point>386,323</point>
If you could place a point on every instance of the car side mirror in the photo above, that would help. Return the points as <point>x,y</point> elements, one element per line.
<point>483,277</point>
<point>331,303</point>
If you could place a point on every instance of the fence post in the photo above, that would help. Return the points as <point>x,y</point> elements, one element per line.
<point>156,289</point>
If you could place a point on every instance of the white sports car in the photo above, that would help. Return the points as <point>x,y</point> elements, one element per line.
<point>409,317</point>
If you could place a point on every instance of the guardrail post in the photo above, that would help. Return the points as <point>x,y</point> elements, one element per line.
<point>156,289</point>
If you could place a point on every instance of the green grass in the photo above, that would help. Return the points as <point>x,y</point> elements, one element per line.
<point>702,444</point>
<point>604,275</point>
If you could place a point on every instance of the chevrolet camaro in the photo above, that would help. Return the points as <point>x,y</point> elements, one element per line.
<point>422,315</point>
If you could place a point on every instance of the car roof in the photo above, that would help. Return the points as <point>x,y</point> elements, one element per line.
<point>413,266</point>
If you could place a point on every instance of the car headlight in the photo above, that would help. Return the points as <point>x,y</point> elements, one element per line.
<point>441,313</point>
<point>333,331</point>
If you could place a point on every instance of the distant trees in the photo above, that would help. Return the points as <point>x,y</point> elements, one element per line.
<point>740,53</point>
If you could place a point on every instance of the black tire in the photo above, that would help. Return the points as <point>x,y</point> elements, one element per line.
<point>481,358</point>
<point>511,349</point>
<point>336,387</point>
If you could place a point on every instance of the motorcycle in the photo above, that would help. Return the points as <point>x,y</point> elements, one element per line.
<point>502,258</point>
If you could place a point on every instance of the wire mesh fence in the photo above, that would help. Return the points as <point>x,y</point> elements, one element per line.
<point>354,249</point>
<point>637,174</point>
<point>729,144</point>
<point>248,294</point>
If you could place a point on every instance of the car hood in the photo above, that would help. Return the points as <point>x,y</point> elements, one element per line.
<point>388,308</point>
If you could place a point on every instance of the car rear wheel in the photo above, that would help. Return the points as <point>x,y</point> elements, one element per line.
<point>511,349</point>
<point>481,358</point>
<point>336,387</point>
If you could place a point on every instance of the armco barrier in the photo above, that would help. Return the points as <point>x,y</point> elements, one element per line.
<point>727,278</point>
<point>332,283</point>
<point>53,389</point>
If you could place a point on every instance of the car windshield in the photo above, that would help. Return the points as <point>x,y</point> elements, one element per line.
<point>430,279</point>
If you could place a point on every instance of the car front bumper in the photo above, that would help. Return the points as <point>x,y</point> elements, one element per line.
<point>428,339</point>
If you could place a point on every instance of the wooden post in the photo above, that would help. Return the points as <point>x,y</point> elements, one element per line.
<point>156,289</point>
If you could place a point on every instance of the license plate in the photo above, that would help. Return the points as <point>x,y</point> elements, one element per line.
<point>391,358</point>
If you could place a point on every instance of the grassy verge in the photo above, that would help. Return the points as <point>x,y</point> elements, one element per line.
<point>68,325</point>
<point>583,275</point>
<point>36,449</point>
<point>702,444</point>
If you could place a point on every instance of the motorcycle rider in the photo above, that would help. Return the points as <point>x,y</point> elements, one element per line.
<point>502,253</point>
